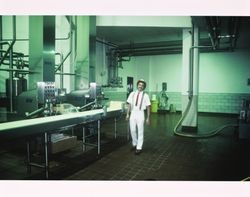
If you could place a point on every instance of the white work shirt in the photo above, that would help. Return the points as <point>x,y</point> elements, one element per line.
<point>143,102</point>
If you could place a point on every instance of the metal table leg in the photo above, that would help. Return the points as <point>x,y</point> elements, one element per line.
<point>83,139</point>
<point>46,154</point>
<point>28,157</point>
<point>128,131</point>
<point>115,128</point>
<point>99,138</point>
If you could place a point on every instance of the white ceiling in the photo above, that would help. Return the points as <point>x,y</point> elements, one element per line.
<point>125,35</point>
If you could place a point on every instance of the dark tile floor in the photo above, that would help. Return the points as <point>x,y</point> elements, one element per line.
<point>165,156</point>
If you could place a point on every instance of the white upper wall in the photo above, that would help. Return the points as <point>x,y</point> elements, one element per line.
<point>165,68</point>
<point>145,21</point>
<point>224,72</point>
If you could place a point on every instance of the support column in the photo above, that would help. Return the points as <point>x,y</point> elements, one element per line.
<point>92,49</point>
<point>82,53</point>
<point>190,79</point>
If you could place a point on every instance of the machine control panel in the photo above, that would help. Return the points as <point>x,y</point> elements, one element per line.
<point>46,92</point>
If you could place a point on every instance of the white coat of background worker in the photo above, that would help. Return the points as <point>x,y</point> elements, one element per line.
<point>138,101</point>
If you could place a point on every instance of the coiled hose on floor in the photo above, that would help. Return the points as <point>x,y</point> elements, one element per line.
<point>207,135</point>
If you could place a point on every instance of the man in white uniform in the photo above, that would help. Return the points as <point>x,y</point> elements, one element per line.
<point>138,101</point>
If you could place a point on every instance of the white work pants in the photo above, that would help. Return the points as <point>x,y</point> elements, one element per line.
<point>137,121</point>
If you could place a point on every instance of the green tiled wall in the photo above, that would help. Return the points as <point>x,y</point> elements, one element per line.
<point>213,102</point>
<point>221,102</point>
<point>208,102</point>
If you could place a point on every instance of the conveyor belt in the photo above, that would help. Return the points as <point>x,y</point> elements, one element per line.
<point>50,123</point>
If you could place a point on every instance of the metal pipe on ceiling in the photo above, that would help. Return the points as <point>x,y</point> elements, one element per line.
<point>212,30</point>
<point>24,64</point>
<point>212,41</point>
<point>155,48</point>
<point>176,49</point>
<point>149,53</point>
<point>15,54</point>
<point>214,25</point>
<point>4,42</point>
<point>70,21</point>
<point>66,38</point>
<point>62,59</point>
<point>61,64</point>
<point>149,48</point>
<point>152,45</point>
<point>107,43</point>
<point>7,51</point>
<point>235,31</point>
<point>72,74</point>
<point>166,50</point>
<point>17,70</point>
<point>61,70</point>
<point>17,39</point>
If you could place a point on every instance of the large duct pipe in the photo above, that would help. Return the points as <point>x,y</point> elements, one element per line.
<point>49,48</point>
<point>92,49</point>
<point>41,49</point>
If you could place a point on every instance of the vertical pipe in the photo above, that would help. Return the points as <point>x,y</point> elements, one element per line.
<point>11,80</point>
<point>11,64</point>
<point>190,81</point>
<point>14,27</point>
<point>1,33</point>
<point>71,59</point>
<point>186,81</point>
<point>61,70</point>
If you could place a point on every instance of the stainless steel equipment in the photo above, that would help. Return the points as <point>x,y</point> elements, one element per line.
<point>46,92</point>
<point>43,100</point>
<point>90,98</point>
<point>38,101</point>
<point>46,96</point>
<point>18,86</point>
